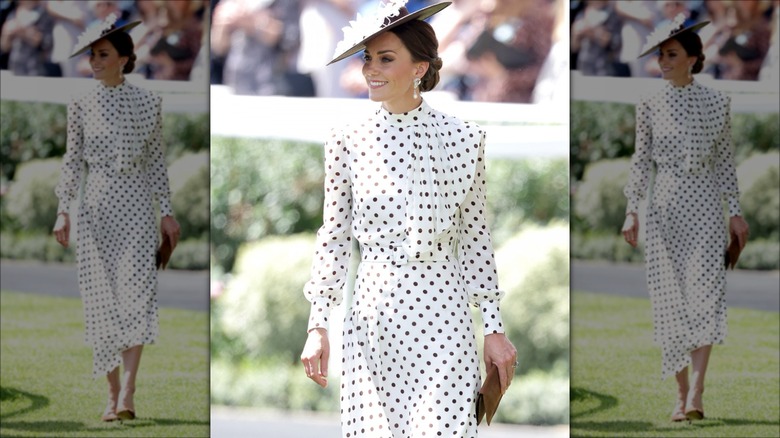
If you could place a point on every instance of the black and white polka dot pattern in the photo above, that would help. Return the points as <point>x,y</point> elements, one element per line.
<point>411,189</point>
<point>685,132</point>
<point>117,231</point>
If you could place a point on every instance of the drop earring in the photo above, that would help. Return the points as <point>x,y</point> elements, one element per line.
<point>416,92</point>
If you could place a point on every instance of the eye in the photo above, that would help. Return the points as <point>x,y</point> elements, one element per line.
<point>386,59</point>
<point>366,58</point>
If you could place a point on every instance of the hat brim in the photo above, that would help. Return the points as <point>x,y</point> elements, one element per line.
<point>691,28</point>
<point>123,28</point>
<point>421,14</point>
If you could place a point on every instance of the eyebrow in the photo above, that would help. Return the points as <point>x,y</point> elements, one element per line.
<point>379,52</point>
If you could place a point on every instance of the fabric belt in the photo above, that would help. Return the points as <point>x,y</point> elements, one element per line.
<point>397,256</point>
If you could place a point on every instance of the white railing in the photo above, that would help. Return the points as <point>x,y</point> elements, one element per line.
<point>513,130</point>
<point>178,96</point>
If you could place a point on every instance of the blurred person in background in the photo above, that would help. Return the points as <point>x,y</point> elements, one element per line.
<point>260,40</point>
<point>456,27</point>
<point>683,131</point>
<point>715,35</point>
<point>70,19</point>
<point>408,183</point>
<point>152,15</point>
<point>770,69</point>
<point>27,38</point>
<point>595,38</point>
<point>508,54</point>
<point>638,18</point>
<point>174,53</point>
<point>319,34</point>
<point>114,142</point>
<point>743,52</point>
<point>552,85</point>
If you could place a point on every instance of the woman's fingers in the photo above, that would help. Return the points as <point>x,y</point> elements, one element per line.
<point>315,357</point>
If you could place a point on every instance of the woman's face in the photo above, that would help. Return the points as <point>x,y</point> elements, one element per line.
<point>105,61</point>
<point>390,72</point>
<point>674,61</point>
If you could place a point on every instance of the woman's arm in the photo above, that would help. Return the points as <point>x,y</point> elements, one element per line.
<point>334,238</point>
<point>331,260</point>
<point>478,270</point>
<point>156,169</point>
<point>726,172</point>
<point>73,162</point>
<point>641,164</point>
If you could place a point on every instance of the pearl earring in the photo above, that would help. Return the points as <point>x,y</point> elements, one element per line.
<point>416,92</point>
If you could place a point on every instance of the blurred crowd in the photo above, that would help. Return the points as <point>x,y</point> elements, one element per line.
<point>492,50</point>
<point>740,43</point>
<point>38,36</point>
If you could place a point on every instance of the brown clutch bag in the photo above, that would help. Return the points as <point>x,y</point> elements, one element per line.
<point>489,396</point>
<point>164,252</point>
<point>732,253</point>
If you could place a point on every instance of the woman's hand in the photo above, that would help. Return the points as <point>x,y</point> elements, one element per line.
<point>315,356</point>
<point>170,228</point>
<point>739,228</point>
<point>501,353</point>
<point>631,228</point>
<point>62,229</point>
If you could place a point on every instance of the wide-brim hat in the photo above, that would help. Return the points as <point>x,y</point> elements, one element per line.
<point>98,31</point>
<point>387,16</point>
<point>667,31</point>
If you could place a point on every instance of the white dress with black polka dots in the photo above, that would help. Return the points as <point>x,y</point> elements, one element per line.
<point>115,134</point>
<point>685,132</point>
<point>411,189</point>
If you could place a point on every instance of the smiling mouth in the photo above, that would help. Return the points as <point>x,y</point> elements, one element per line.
<point>376,84</point>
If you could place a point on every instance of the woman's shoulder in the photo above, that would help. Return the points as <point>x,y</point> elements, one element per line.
<point>145,94</point>
<point>457,127</point>
<point>715,95</point>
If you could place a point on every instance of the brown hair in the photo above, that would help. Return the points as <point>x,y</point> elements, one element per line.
<point>123,44</point>
<point>691,42</point>
<point>419,38</point>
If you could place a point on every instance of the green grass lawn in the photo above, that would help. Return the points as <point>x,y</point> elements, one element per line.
<point>616,386</point>
<point>46,385</point>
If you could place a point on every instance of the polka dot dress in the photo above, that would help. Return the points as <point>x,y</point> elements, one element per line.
<point>114,133</point>
<point>411,189</point>
<point>686,133</point>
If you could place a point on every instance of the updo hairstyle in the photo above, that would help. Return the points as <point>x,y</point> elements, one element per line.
<point>123,44</point>
<point>693,47</point>
<point>419,38</point>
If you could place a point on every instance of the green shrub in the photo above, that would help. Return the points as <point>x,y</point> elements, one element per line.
<point>271,385</point>
<point>192,254</point>
<point>538,398</point>
<point>261,188</point>
<point>189,178</point>
<point>263,307</point>
<point>527,190</point>
<point>30,201</point>
<point>760,254</point>
<point>533,269</point>
<point>598,199</point>
<point>759,179</point>
<point>30,130</point>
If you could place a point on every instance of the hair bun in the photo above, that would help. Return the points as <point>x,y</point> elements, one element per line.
<point>436,63</point>
<point>130,65</point>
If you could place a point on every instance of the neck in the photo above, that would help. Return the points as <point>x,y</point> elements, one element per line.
<point>404,106</point>
<point>681,82</point>
<point>113,82</point>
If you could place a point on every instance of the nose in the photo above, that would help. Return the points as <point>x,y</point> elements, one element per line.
<point>368,69</point>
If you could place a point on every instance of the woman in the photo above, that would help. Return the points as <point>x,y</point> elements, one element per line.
<point>115,132</point>
<point>408,183</point>
<point>684,130</point>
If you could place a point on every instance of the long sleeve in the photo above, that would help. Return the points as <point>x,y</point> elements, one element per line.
<point>157,171</point>
<point>334,238</point>
<point>725,169</point>
<point>73,162</point>
<point>475,252</point>
<point>641,161</point>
